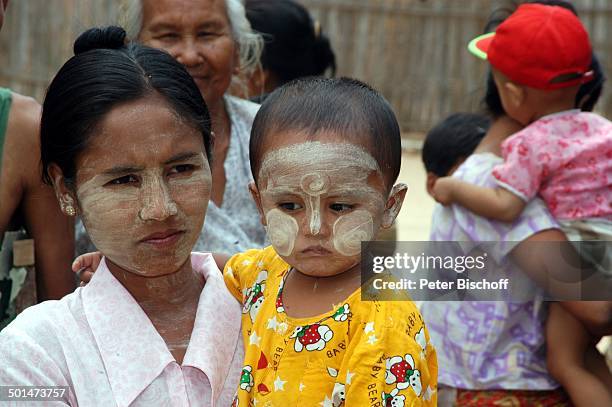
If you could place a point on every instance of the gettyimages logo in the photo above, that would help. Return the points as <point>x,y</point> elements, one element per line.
<point>410,263</point>
<point>486,271</point>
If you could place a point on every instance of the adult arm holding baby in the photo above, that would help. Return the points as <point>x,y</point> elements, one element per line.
<point>560,156</point>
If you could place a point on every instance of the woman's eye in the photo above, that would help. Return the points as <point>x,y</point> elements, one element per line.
<point>341,207</point>
<point>167,37</point>
<point>127,179</point>
<point>182,168</point>
<point>290,206</point>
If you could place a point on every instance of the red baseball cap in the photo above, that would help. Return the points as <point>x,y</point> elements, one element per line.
<point>540,46</point>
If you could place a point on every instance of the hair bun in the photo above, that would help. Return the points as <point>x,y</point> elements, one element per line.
<point>111,37</point>
<point>324,55</point>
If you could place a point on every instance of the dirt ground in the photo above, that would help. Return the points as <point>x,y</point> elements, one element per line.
<point>415,217</point>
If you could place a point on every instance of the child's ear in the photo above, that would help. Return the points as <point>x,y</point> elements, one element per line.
<point>257,198</point>
<point>516,94</point>
<point>394,204</point>
<point>65,196</point>
<point>430,182</point>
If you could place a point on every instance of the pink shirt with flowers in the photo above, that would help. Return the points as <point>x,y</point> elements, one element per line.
<point>99,343</point>
<point>566,158</point>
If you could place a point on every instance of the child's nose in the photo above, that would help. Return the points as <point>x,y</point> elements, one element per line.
<point>315,223</point>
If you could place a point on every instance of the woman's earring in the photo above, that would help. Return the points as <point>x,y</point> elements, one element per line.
<point>70,211</point>
<point>66,205</point>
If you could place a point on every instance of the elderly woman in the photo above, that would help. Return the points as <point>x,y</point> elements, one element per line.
<point>214,41</point>
<point>125,141</point>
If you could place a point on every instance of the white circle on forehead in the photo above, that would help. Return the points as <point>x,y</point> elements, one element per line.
<point>314,152</point>
<point>282,230</point>
<point>350,230</point>
<point>315,184</point>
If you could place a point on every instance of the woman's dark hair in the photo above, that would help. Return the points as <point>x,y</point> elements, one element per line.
<point>589,92</point>
<point>103,73</point>
<point>294,45</point>
<point>492,100</point>
<point>340,106</point>
<point>451,140</point>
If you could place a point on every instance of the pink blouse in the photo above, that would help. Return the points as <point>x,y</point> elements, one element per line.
<point>566,158</point>
<point>99,343</point>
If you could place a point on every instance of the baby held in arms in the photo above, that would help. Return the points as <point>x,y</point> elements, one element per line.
<point>325,155</point>
<point>563,155</point>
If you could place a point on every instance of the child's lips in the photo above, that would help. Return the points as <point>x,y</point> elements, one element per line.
<point>316,251</point>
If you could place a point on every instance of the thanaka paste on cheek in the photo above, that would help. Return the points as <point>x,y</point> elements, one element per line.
<point>118,218</point>
<point>350,230</point>
<point>282,231</point>
<point>315,171</point>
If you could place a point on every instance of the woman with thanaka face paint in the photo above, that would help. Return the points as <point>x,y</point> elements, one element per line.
<point>214,41</point>
<point>325,154</point>
<point>125,141</point>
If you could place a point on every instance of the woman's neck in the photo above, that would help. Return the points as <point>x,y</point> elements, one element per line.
<point>170,301</point>
<point>221,126</point>
<point>160,294</point>
<point>220,121</point>
<point>501,128</point>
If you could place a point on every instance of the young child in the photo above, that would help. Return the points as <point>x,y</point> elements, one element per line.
<point>325,154</point>
<point>450,142</point>
<point>563,154</point>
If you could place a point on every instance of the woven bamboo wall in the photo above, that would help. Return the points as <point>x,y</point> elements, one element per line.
<point>413,51</point>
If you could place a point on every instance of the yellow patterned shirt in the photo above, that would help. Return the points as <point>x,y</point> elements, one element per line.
<point>365,353</point>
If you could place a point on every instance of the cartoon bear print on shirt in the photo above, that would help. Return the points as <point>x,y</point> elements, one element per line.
<point>393,399</point>
<point>312,337</point>
<point>338,395</point>
<point>421,341</point>
<point>246,378</point>
<point>342,313</point>
<point>402,371</point>
<point>253,296</point>
<point>279,297</point>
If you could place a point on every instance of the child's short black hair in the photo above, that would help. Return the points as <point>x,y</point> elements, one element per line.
<point>340,105</point>
<point>452,139</point>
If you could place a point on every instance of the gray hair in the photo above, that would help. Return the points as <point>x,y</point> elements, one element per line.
<point>250,44</point>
